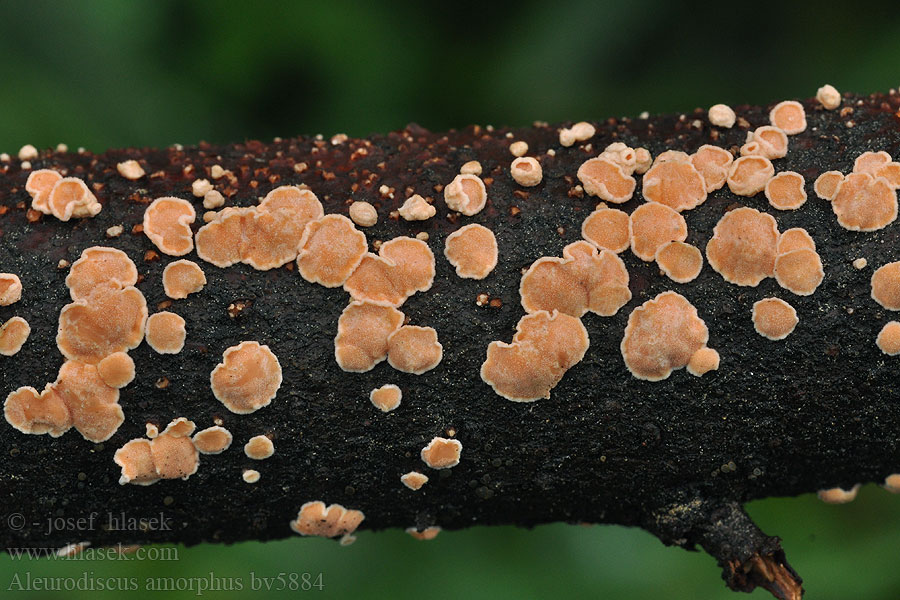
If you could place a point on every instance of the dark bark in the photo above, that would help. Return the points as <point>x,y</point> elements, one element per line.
<point>676,457</point>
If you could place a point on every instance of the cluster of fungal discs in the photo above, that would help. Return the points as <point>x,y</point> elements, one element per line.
<point>15,331</point>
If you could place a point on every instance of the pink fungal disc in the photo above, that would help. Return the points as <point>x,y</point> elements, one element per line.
<point>466,194</point>
<point>788,116</point>
<point>799,271</point>
<point>180,427</point>
<point>413,349</point>
<point>826,184</point>
<point>334,520</point>
<point>429,533</point>
<point>713,164</point>
<point>749,175</point>
<point>770,142</point>
<point>675,184</point>
<point>441,453</point>
<point>93,405</point>
<point>13,335</point>
<point>221,240</point>
<point>888,339</point>
<point>545,346</point>
<point>414,480</point>
<point>652,225</point>
<point>886,286</point>
<point>607,228</point>
<point>773,318</point>
<point>838,495</point>
<point>363,332</point>
<point>863,203</point>
<point>92,328</point>
<point>472,250</point>
<point>662,335</point>
<point>30,412</point>
<point>416,208</point>
<point>330,250</point>
<point>871,162</point>
<point>116,370</point>
<point>785,191</point>
<point>174,456</point>
<point>402,267</point>
<point>605,179</point>
<point>703,361</point>
<point>166,332</point>
<point>386,398</point>
<point>136,460</point>
<point>167,222</point>
<point>247,379</point>
<point>259,447</point>
<point>672,155</point>
<point>526,171</point>
<point>182,278</point>
<point>890,173</point>
<point>38,186</point>
<point>70,198</point>
<point>795,238</point>
<point>681,262</point>
<point>744,246</point>
<point>100,269</point>
<point>212,440</point>
<point>10,289</point>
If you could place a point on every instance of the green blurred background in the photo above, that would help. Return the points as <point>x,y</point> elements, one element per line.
<point>154,72</point>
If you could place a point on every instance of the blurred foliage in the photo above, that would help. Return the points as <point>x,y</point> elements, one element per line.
<point>153,72</point>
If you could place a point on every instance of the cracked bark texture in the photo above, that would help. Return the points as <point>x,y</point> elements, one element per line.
<point>676,457</point>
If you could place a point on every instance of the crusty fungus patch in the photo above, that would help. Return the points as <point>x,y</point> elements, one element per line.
<point>795,238</point>
<point>415,208</point>
<point>773,318</point>
<point>402,267</point>
<point>38,186</point>
<point>10,289</point>
<point>414,349</point>
<point>259,447</point>
<point>526,171</point>
<point>70,198</point>
<point>100,269</point>
<point>769,142</point>
<point>182,278</point>
<point>864,203</point>
<point>786,191</point>
<point>583,280</point>
<point>116,370</point>
<point>429,533</point>
<point>545,346</point>
<point>386,398</point>
<point>316,519</point>
<point>703,361</point>
<point>13,335</point>
<point>675,184</point>
<point>579,132</point>
<point>721,115</point>
<point>826,184</point>
<point>799,271</point>
<point>607,228</point>
<point>472,250</point>
<point>362,337</point>
<point>713,164</point>
<point>130,169</point>
<point>247,379</point>
<point>744,246</point>
<point>681,262</point>
<point>37,413</point>
<point>166,332</point>
<point>170,455</point>
<point>749,175</point>
<point>106,322</point>
<point>788,116</point>
<point>886,286</point>
<point>888,340</point>
<point>604,178</point>
<point>167,222</point>
<point>250,476</point>
<point>838,495</point>
<point>136,460</point>
<point>441,453</point>
<point>828,97</point>
<point>330,250</point>
<point>661,336</point>
<point>363,214</point>
<point>414,480</point>
<point>651,226</point>
<point>213,440</point>
<point>466,194</point>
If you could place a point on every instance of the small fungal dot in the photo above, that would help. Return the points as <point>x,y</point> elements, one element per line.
<point>259,447</point>
<point>886,286</point>
<point>166,332</point>
<point>334,520</point>
<point>526,171</point>
<point>579,132</point>
<point>28,152</point>
<point>838,495</point>
<point>429,533</point>
<point>136,460</point>
<point>466,194</point>
<point>518,148</point>
<point>473,167</point>
<point>888,339</point>
<point>828,97</point>
<point>247,379</point>
<point>721,115</point>
<point>826,184</point>
<point>788,116</point>
<point>703,361</point>
<point>386,398</point>
<point>10,289</point>
<point>749,175</point>
<point>415,208</point>
<point>151,430</point>
<point>773,318</point>
<point>250,476</point>
<point>605,179</point>
<point>414,480</point>
<point>681,262</point>
<point>860,263</point>
<point>200,187</point>
<point>116,370</point>
<point>13,335</point>
<point>785,191</point>
<point>213,440</point>
<point>213,199</point>
<point>414,349</point>
<point>607,228</point>
<point>472,250</point>
<point>182,278</point>
<point>167,222</point>
<point>441,453</point>
<point>130,169</point>
<point>652,225</point>
<point>363,214</point>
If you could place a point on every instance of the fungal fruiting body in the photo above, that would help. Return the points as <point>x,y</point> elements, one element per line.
<point>721,115</point>
<point>247,379</point>
<point>773,318</point>
<point>888,340</point>
<point>13,335</point>
<point>607,228</point>
<point>259,447</point>
<point>414,349</point>
<point>316,519</point>
<point>116,370</point>
<point>402,267</point>
<point>363,332</point>
<point>170,455</point>
<point>788,116</point>
<point>10,289</point>
<point>166,332</point>
<point>579,132</point>
<point>864,203</point>
<point>785,191</point>
<point>386,398</point>
<point>828,97</point>
<point>441,453</point>
<point>363,214</point>
<point>330,250</point>
<point>213,440</point>
<point>429,533</point>
<point>885,284</point>
<point>826,184</point>
<point>749,175</point>
<point>472,250</point>
<point>182,278</point>
<point>167,222</point>
<point>604,178</point>
<point>526,171</point>
<point>652,225</point>
<point>63,197</point>
<point>466,194</point>
<point>676,184</point>
<point>744,245</point>
<point>681,262</point>
<point>713,164</point>
<point>838,495</point>
<point>545,346</point>
<point>415,208</point>
<point>414,480</point>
